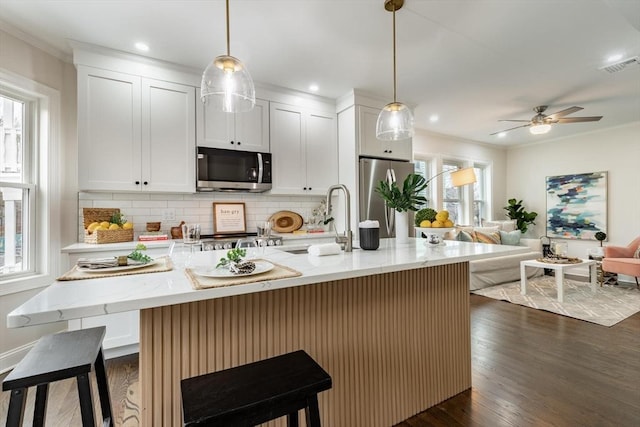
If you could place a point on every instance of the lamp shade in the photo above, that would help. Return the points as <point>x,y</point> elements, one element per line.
<point>539,129</point>
<point>227,85</point>
<point>463,177</point>
<point>395,122</point>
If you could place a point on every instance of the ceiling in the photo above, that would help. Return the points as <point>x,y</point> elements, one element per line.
<point>471,62</point>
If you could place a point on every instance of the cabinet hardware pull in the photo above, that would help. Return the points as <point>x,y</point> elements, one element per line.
<point>137,182</point>
<point>145,183</point>
<point>232,142</point>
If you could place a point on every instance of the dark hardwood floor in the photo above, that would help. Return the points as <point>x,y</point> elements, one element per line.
<point>530,368</point>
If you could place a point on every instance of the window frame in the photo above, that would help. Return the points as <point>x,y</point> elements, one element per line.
<point>44,212</point>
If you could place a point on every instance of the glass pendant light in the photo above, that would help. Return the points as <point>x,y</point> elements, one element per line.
<point>395,121</point>
<point>226,82</point>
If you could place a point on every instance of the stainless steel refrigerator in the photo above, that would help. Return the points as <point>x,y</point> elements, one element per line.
<point>372,205</point>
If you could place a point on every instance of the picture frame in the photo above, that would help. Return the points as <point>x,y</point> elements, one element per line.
<point>229,218</point>
<point>576,205</point>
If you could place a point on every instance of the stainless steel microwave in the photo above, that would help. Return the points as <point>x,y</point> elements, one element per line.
<point>233,170</point>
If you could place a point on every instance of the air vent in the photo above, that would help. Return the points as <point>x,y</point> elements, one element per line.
<point>621,65</point>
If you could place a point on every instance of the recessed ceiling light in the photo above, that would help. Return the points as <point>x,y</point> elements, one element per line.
<point>313,87</point>
<point>434,118</point>
<point>143,47</point>
<point>614,58</point>
<point>502,134</point>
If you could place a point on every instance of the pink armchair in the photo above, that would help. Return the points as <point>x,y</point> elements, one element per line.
<point>619,259</point>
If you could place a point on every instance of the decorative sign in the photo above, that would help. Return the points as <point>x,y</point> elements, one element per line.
<point>577,205</point>
<point>229,218</point>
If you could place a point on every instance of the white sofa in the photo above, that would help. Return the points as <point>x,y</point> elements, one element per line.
<point>501,269</point>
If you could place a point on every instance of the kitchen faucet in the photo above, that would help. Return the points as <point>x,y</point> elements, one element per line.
<point>345,240</point>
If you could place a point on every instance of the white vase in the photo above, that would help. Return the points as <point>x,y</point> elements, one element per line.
<point>402,227</point>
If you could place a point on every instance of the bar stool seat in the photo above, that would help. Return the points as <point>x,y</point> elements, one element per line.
<point>257,392</point>
<point>57,357</point>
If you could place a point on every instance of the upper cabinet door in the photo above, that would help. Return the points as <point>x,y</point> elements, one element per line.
<point>240,131</point>
<point>252,128</point>
<point>287,145</point>
<point>109,117</point>
<point>168,137</point>
<point>371,146</point>
<point>321,152</point>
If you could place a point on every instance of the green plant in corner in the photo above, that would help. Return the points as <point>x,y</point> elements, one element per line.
<point>516,211</point>
<point>408,197</point>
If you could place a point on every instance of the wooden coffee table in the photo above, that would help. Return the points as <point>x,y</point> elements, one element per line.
<point>559,272</point>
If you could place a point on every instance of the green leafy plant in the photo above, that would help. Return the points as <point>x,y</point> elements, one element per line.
<point>117,218</point>
<point>426,213</point>
<point>137,255</point>
<point>234,255</point>
<point>408,197</point>
<point>600,236</point>
<point>515,210</point>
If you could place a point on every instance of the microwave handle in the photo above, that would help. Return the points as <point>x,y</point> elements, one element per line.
<point>260,168</point>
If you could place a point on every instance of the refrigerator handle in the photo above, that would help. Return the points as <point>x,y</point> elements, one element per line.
<point>388,217</point>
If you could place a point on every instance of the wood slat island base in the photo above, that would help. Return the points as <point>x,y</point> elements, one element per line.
<point>394,344</point>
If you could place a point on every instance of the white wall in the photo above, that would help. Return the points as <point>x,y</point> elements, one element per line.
<point>615,150</point>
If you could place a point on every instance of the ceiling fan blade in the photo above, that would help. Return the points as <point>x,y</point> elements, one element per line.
<point>579,119</point>
<point>564,112</point>
<point>507,130</point>
<point>521,121</point>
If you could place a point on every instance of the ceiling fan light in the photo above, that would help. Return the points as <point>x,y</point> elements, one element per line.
<point>539,129</point>
<point>395,122</point>
<point>227,85</point>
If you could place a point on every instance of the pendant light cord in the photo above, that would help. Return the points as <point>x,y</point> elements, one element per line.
<point>228,38</point>
<point>394,52</point>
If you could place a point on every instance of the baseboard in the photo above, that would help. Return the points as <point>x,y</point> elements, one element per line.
<point>9,359</point>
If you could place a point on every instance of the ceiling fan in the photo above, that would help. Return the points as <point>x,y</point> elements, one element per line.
<point>541,123</point>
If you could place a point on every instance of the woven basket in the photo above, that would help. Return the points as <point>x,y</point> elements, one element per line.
<point>91,215</point>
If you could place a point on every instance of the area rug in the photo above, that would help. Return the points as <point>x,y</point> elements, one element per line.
<point>608,306</point>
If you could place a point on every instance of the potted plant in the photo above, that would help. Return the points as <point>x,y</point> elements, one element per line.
<point>600,236</point>
<point>403,199</point>
<point>516,211</point>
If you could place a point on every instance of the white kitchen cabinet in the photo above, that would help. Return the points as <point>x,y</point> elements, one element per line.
<point>304,148</point>
<point>122,329</point>
<point>240,131</point>
<point>134,133</point>
<point>371,146</point>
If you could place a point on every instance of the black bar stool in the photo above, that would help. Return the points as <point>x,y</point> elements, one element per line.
<point>257,392</point>
<point>57,357</point>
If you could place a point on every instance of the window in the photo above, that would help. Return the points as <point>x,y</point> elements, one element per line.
<point>421,167</point>
<point>29,184</point>
<point>480,194</point>
<point>17,188</point>
<point>452,197</point>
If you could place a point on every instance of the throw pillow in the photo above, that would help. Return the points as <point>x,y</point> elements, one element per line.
<point>510,237</point>
<point>508,225</point>
<point>492,237</point>
<point>466,236</point>
<point>636,254</point>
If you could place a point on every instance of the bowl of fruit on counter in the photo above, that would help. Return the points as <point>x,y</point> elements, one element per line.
<point>433,225</point>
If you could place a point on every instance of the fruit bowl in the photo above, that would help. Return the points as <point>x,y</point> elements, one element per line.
<point>434,236</point>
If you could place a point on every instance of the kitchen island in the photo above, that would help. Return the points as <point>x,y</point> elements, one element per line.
<point>390,326</point>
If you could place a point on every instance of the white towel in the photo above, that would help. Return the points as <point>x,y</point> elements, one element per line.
<point>324,249</point>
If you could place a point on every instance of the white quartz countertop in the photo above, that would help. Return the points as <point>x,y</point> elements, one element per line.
<point>84,298</point>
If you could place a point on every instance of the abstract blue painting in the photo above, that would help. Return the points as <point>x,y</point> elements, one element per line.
<point>577,205</point>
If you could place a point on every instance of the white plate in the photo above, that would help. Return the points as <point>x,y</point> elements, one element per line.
<point>261,267</point>
<point>114,269</point>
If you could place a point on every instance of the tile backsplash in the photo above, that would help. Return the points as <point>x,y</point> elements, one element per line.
<point>191,208</point>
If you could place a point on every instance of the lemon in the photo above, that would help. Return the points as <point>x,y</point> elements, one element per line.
<point>442,216</point>
<point>100,227</point>
<point>437,224</point>
<point>425,223</point>
<point>105,224</point>
<point>448,223</point>
<point>114,227</point>
<point>127,226</point>
<point>92,227</point>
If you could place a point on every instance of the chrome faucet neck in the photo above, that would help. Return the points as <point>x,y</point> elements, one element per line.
<point>347,239</point>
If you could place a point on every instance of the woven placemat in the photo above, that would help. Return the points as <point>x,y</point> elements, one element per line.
<point>560,260</point>
<point>162,264</point>
<point>277,272</point>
